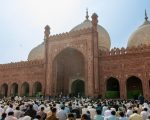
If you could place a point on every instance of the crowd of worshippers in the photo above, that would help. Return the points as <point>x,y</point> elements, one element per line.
<point>73,109</point>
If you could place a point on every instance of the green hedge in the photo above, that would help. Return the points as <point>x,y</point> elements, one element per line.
<point>37,94</point>
<point>15,94</point>
<point>112,94</point>
<point>133,93</point>
<point>26,94</point>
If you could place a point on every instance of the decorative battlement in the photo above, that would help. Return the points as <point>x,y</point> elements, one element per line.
<point>70,34</point>
<point>21,64</point>
<point>123,51</point>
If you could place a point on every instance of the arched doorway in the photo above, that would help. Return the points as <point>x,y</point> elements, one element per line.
<point>14,89</point>
<point>68,64</point>
<point>112,88</point>
<point>134,87</point>
<point>78,88</point>
<point>4,90</point>
<point>37,89</point>
<point>25,89</point>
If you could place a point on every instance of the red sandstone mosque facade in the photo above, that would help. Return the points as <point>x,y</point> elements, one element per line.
<point>81,62</point>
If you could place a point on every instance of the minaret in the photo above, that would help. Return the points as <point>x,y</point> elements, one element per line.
<point>46,32</point>
<point>46,37</point>
<point>94,21</point>
<point>95,53</point>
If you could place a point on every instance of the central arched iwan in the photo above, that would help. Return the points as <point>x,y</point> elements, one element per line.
<point>68,64</point>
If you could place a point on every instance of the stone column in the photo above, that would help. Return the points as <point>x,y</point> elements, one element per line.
<point>31,89</point>
<point>90,83</point>
<point>86,77</point>
<point>123,89</point>
<point>9,90</point>
<point>103,87</point>
<point>145,87</point>
<point>19,90</point>
<point>49,79</point>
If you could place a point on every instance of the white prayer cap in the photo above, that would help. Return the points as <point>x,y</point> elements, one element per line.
<point>26,118</point>
<point>112,109</point>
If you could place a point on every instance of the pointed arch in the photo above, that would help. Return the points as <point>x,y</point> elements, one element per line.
<point>4,90</point>
<point>68,64</point>
<point>134,87</point>
<point>14,89</point>
<point>37,89</point>
<point>78,87</point>
<point>25,89</point>
<point>112,88</point>
<point>70,50</point>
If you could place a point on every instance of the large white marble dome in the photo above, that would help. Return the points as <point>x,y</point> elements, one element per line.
<point>141,36</point>
<point>104,42</point>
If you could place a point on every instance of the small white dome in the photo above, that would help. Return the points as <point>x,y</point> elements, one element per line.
<point>141,36</point>
<point>37,52</point>
<point>103,36</point>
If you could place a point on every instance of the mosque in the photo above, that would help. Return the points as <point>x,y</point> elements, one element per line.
<point>81,62</point>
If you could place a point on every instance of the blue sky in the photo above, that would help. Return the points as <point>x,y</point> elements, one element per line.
<point>22,22</point>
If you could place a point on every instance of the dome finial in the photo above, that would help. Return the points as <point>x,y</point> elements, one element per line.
<point>146,17</point>
<point>87,15</point>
